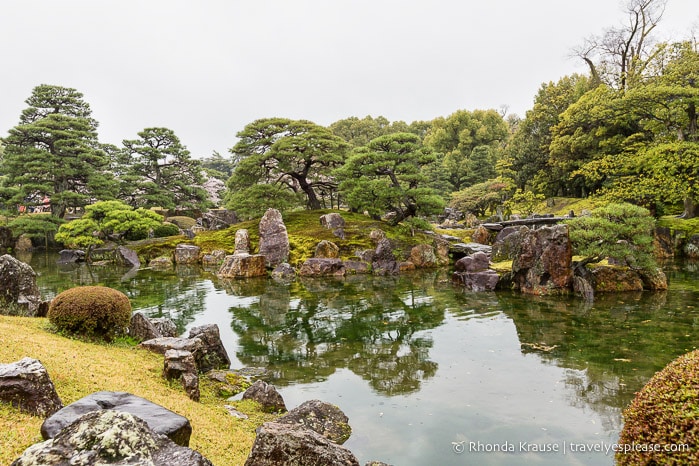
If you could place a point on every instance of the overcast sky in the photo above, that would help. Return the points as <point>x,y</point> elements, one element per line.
<point>207,68</point>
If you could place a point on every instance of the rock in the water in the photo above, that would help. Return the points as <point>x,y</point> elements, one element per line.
<point>161,420</point>
<point>284,271</point>
<point>107,436</point>
<point>242,242</point>
<point>141,328</point>
<point>274,240</point>
<point>212,355</point>
<point>485,280</point>
<point>265,394</point>
<point>615,279</point>
<point>18,291</point>
<point>324,418</point>
<point>70,256</point>
<point>332,221</point>
<point>279,444</point>
<point>26,385</point>
<point>476,262</point>
<point>160,262</point>
<point>243,266</point>
<point>187,254</point>
<point>356,267</point>
<point>543,265</point>
<point>126,257</point>
<point>423,255</point>
<point>316,267</point>
<point>327,250</point>
<point>383,260</point>
<point>214,259</point>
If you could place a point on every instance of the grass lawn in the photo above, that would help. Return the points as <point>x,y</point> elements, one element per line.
<point>79,368</point>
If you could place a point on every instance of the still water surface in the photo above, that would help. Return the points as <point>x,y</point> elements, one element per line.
<point>426,373</point>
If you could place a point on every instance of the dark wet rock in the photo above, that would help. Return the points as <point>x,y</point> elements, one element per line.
<point>18,290</point>
<point>243,266</point>
<point>486,280</point>
<point>161,420</point>
<point>126,257</point>
<point>26,385</point>
<point>476,262</point>
<point>327,250</point>
<point>242,242</point>
<point>274,240</point>
<point>280,444</point>
<point>187,254</point>
<point>383,261</point>
<point>141,328</point>
<point>70,256</point>
<point>212,355</point>
<point>543,265</point>
<point>266,395</point>
<point>284,271</point>
<point>109,436</point>
<point>332,221</point>
<point>317,267</point>
<point>324,418</point>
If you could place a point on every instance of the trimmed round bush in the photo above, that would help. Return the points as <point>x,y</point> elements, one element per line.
<point>181,221</point>
<point>166,229</point>
<point>94,311</point>
<point>664,416</point>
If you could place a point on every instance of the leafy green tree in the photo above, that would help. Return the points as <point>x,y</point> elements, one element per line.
<point>108,219</point>
<point>482,197</point>
<point>217,166</point>
<point>386,176</point>
<point>36,226</point>
<point>53,153</point>
<point>358,132</point>
<point>621,231</point>
<point>523,201</point>
<point>297,156</point>
<point>160,172</point>
<point>456,137</point>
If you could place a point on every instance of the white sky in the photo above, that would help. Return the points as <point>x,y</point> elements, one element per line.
<point>207,68</point>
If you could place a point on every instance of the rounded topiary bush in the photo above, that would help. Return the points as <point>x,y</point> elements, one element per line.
<point>166,229</point>
<point>661,426</point>
<point>95,311</point>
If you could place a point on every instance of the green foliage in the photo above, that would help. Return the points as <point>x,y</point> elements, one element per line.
<point>386,176</point>
<point>523,201</point>
<point>108,218</point>
<point>621,231</point>
<point>166,229</point>
<point>182,221</point>
<point>481,197</point>
<point>664,412</point>
<point>159,172</point>
<point>91,311</point>
<point>53,153</point>
<point>35,225</point>
<point>253,202</point>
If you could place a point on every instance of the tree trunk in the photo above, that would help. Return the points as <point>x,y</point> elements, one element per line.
<point>691,209</point>
<point>313,202</point>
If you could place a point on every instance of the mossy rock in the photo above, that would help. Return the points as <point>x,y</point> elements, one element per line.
<point>92,311</point>
<point>181,221</point>
<point>665,413</point>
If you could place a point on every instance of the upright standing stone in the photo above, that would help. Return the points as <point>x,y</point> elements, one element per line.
<point>242,242</point>
<point>543,265</point>
<point>274,240</point>
<point>18,285</point>
<point>187,254</point>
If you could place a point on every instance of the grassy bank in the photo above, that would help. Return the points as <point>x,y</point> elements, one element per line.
<point>79,368</point>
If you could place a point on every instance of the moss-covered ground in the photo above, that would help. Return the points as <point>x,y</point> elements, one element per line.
<point>78,368</point>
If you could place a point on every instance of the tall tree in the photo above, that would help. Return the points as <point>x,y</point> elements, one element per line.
<point>53,154</point>
<point>296,156</point>
<point>386,176</point>
<point>160,172</point>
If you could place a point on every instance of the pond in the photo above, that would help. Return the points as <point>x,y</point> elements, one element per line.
<point>427,373</point>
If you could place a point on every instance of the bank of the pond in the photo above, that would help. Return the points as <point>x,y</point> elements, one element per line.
<point>79,368</point>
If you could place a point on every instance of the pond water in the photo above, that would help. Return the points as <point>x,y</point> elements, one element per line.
<point>427,373</point>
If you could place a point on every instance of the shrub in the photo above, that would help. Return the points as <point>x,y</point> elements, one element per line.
<point>665,412</point>
<point>166,229</point>
<point>93,311</point>
<point>181,221</point>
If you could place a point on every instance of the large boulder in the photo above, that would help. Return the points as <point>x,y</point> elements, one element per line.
<point>474,274</point>
<point>423,255</point>
<point>543,265</point>
<point>327,250</point>
<point>284,271</point>
<point>274,240</point>
<point>615,279</point>
<point>279,444</point>
<point>332,221</point>
<point>506,245</point>
<point>212,354</point>
<point>142,329</point>
<point>324,418</point>
<point>187,254</point>
<point>266,395</point>
<point>126,257</point>
<point>214,258</point>
<point>106,436</point>
<point>26,385</point>
<point>243,266</point>
<point>163,421</point>
<point>383,260</point>
<point>318,267</point>
<point>18,290</point>
<point>70,256</point>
